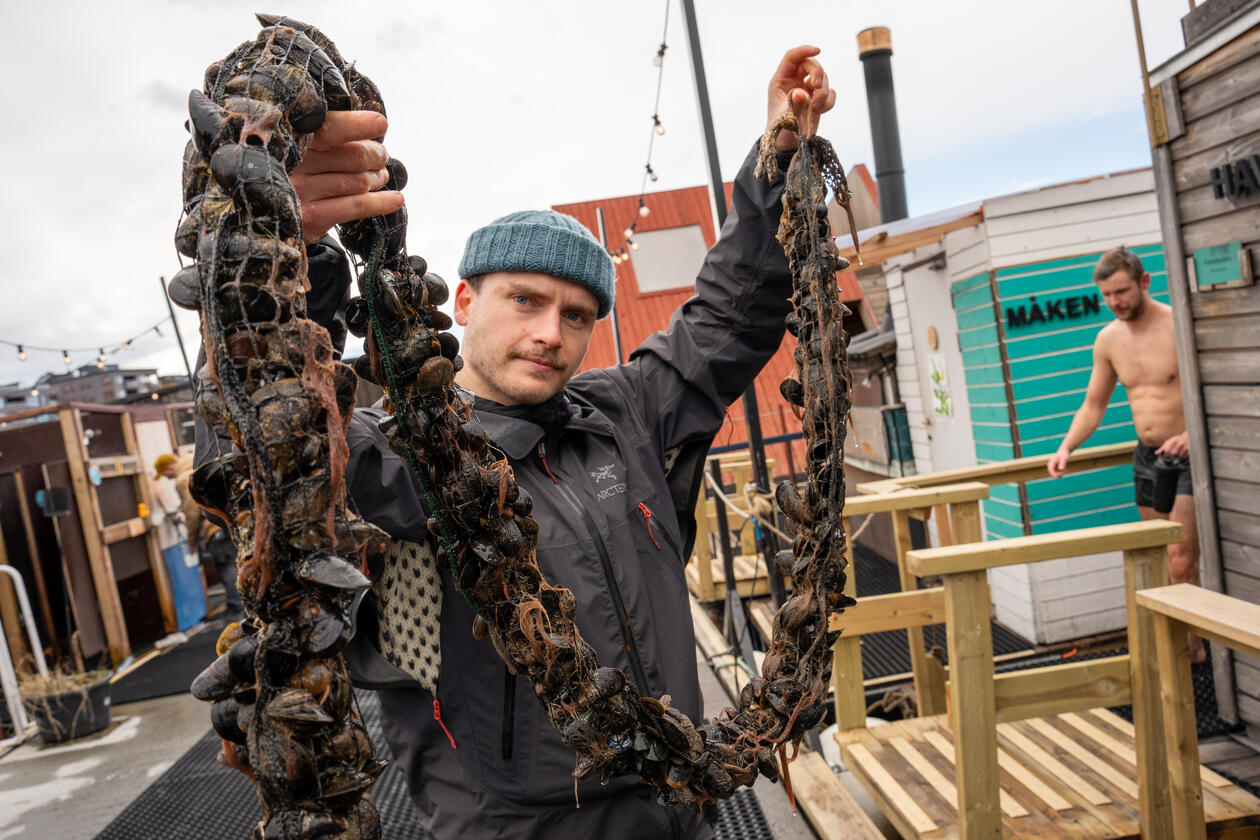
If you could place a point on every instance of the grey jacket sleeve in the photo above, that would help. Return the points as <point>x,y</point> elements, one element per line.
<point>684,377</point>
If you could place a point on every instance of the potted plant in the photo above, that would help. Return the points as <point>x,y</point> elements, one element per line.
<point>68,702</point>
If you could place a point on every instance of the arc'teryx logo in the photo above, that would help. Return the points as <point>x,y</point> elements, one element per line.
<point>605,473</point>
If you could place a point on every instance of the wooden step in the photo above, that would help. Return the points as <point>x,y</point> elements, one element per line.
<point>1063,776</point>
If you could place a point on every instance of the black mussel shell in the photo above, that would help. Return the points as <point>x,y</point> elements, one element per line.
<point>363,368</point>
<point>397,174</point>
<point>439,292</point>
<point>332,571</point>
<point>185,288</point>
<point>449,345</point>
<point>223,719</point>
<point>357,317</point>
<point>241,658</point>
<point>418,264</point>
<point>215,682</point>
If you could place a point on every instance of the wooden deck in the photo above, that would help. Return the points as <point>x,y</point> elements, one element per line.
<point>1064,776</point>
<point>750,578</point>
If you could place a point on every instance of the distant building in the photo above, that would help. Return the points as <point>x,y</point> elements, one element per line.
<point>90,384</point>
<point>16,397</point>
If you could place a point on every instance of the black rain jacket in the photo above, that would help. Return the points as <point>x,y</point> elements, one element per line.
<point>594,460</point>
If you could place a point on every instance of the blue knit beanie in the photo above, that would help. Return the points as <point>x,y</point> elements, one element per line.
<point>545,242</point>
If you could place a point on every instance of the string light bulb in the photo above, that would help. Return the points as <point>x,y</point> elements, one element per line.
<point>629,231</point>
<point>660,126</point>
<point>634,245</point>
<point>100,357</point>
<point>65,357</point>
<point>34,392</point>
<point>21,353</point>
<point>158,329</point>
<point>651,173</point>
<point>643,209</point>
<point>127,344</point>
<point>659,58</point>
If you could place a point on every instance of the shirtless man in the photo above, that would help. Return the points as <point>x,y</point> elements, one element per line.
<point>1139,350</point>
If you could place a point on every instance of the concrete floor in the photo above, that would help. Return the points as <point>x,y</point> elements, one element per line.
<point>73,791</point>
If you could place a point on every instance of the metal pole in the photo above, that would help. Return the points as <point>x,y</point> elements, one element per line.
<point>616,329</point>
<point>183,354</point>
<point>752,413</point>
<point>875,52</point>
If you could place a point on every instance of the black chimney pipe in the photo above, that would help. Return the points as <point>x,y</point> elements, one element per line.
<point>875,51</point>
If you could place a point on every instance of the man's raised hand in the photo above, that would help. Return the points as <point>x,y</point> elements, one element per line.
<point>341,174</point>
<point>798,79</point>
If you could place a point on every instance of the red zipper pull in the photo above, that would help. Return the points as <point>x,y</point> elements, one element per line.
<point>437,715</point>
<point>647,516</point>
<point>542,456</point>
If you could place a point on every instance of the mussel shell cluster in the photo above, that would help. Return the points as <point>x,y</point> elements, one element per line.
<point>271,391</point>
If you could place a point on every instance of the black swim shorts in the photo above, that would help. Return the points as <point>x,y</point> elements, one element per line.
<point>1144,473</point>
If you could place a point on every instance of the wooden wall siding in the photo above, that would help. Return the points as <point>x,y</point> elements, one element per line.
<point>1219,99</point>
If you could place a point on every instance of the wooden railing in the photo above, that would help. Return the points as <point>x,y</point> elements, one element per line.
<point>1168,614</point>
<point>976,702</point>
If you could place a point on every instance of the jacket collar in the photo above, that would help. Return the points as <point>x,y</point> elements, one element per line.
<point>517,429</point>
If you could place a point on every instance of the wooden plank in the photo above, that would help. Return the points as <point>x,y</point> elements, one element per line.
<point>1237,432</point>
<point>1009,804</point>
<point>1196,170</point>
<point>928,688</point>
<point>877,613</point>
<point>1230,366</point>
<point>1112,719</point>
<point>927,770</point>
<point>1174,120</point>
<point>1239,226</point>
<point>1052,765</point>
<point>1027,468</point>
<point>904,804</point>
<point>971,703</point>
<point>115,466</point>
<point>1071,687</point>
<point>908,498</point>
<point>124,530</point>
<point>1243,81</point>
<point>1239,301</point>
<point>1092,760</point>
<point>832,811</point>
<point>1238,400</point>
<point>1229,621</point>
<point>882,247</point>
<point>98,556</point>
<point>714,646</point>
<point>157,564</point>
<point>1220,59</point>
<point>1034,549</point>
<point>1239,527</point>
<point>1217,129</point>
<point>1235,464</point>
<point>37,566</point>
<point>1181,745</point>
<point>1238,496</point>
<point>1144,568</point>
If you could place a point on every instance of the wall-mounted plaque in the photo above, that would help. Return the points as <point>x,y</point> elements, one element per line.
<point>1220,267</point>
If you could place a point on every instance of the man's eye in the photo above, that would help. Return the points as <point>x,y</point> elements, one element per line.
<point>521,299</point>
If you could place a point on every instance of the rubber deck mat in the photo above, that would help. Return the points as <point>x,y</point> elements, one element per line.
<point>741,818</point>
<point>170,672</point>
<point>197,798</point>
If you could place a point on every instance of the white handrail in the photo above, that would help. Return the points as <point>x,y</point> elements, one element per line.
<point>8,675</point>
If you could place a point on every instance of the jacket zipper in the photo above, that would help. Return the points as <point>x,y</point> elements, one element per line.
<point>509,713</point>
<point>636,664</point>
<point>647,516</point>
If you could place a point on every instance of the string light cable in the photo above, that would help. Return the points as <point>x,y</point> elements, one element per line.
<point>658,129</point>
<point>102,351</point>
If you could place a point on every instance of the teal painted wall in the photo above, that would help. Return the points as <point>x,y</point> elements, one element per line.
<point>1047,312</point>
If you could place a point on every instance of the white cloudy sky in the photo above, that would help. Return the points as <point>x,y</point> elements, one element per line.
<point>498,106</point>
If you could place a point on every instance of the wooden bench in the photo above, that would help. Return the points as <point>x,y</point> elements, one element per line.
<point>1027,753</point>
<point>1171,612</point>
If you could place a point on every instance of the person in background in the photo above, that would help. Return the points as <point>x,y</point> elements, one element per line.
<point>1139,350</point>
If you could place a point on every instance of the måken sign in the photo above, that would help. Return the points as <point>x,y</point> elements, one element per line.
<point>1046,311</point>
